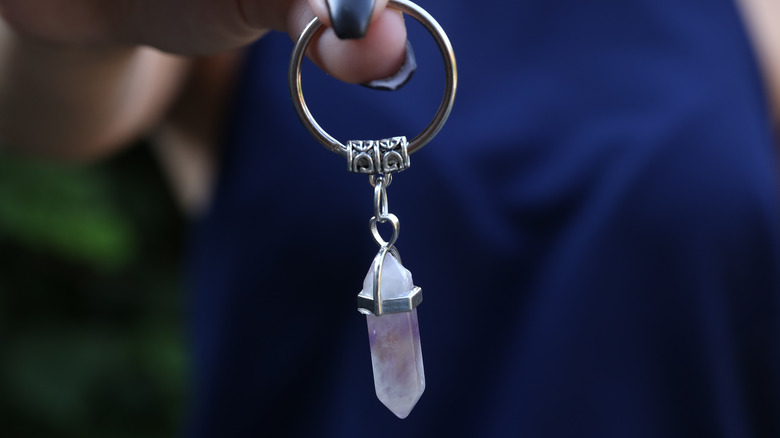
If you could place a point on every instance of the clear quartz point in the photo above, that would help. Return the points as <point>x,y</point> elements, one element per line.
<point>396,356</point>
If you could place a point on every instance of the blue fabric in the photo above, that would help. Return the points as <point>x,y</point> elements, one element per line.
<point>595,231</point>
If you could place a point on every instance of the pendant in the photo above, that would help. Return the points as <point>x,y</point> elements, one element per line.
<point>389,298</point>
<point>396,356</point>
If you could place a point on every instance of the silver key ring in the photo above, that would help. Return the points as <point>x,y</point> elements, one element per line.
<point>445,107</point>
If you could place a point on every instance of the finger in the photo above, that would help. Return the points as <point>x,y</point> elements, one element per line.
<point>378,55</point>
<point>348,18</point>
<point>321,10</point>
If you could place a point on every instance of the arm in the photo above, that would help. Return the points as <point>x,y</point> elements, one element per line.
<point>763,21</point>
<point>81,80</point>
<point>78,103</point>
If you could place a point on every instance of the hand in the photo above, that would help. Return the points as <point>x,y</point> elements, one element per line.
<point>193,27</point>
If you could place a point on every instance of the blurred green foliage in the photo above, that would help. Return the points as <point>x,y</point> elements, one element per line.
<point>91,336</point>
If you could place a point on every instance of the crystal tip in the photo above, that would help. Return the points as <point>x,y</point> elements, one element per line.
<point>402,408</point>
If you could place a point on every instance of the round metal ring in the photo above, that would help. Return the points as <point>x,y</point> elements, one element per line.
<point>445,107</point>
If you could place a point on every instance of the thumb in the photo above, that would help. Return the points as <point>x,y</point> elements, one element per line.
<point>379,54</point>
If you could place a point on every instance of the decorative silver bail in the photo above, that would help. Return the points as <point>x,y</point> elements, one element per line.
<point>374,157</point>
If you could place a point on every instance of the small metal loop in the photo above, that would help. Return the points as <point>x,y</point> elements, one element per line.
<point>380,200</point>
<point>385,179</point>
<point>393,220</point>
<point>451,80</point>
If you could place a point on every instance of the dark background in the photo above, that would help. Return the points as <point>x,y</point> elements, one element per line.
<point>91,321</point>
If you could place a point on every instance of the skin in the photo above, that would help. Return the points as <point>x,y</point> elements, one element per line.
<point>763,22</point>
<point>81,78</point>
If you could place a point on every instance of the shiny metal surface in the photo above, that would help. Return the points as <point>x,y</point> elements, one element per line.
<point>374,157</point>
<point>451,80</point>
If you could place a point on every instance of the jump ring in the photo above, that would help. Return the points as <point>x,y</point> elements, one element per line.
<point>393,219</point>
<point>445,107</point>
<point>381,178</point>
<point>380,199</point>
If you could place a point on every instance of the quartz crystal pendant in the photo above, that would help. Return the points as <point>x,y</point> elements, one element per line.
<point>396,356</point>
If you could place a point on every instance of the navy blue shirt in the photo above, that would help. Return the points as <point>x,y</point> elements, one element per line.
<point>596,231</point>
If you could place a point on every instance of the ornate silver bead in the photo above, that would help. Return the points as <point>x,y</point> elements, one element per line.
<point>374,157</point>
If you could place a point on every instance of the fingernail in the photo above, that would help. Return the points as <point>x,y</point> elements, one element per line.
<point>399,79</point>
<point>350,18</point>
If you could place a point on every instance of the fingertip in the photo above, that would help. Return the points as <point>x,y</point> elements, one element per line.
<point>378,55</point>
<point>320,9</point>
<point>380,7</point>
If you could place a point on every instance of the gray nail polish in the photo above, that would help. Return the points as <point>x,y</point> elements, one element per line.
<point>350,18</point>
<point>399,79</point>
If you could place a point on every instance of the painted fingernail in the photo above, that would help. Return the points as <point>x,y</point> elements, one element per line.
<point>399,79</point>
<point>350,18</point>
